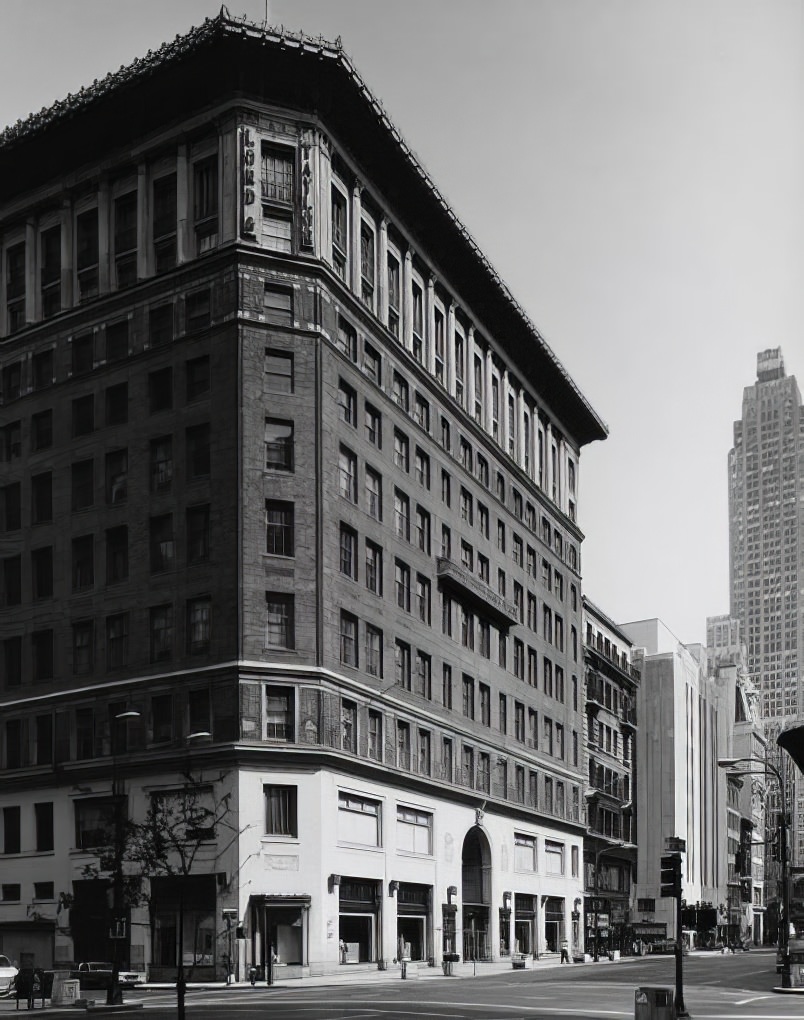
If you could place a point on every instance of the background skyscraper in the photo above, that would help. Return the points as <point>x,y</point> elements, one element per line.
<point>766,536</point>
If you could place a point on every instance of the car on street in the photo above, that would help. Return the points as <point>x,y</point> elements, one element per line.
<point>7,974</point>
<point>97,976</point>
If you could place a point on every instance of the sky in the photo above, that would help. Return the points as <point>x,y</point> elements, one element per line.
<point>633,169</point>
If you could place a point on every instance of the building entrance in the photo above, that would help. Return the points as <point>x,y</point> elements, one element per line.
<point>476,887</point>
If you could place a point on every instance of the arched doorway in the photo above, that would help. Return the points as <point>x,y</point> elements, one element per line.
<point>476,895</point>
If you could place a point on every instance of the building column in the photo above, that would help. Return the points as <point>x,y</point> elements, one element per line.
<point>356,220</point>
<point>449,343</point>
<point>406,304</point>
<point>548,460</point>
<point>430,325</point>
<point>183,210</point>
<point>470,372</point>
<point>32,296</point>
<point>104,237</point>
<point>382,272</point>
<point>227,182</point>
<point>144,260</point>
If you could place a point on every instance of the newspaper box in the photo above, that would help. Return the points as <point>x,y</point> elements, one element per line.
<point>654,1004</point>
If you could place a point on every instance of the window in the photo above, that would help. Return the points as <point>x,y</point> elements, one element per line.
<point>278,377</point>
<point>414,830</point>
<point>446,541</point>
<point>278,444</point>
<point>402,515</point>
<point>417,296</point>
<point>375,740</point>
<point>125,239</point>
<point>348,547</point>
<point>403,759</point>
<point>503,713</point>
<point>524,852</point>
<point>42,572</point>
<point>83,495</point>
<point>348,639</point>
<point>367,264</point>
<point>423,598</point>
<point>198,534</point>
<point>12,382</point>
<point>279,528</point>
<point>281,810</point>
<point>373,421</point>
<point>199,616</point>
<point>205,203</point>
<point>42,430</point>
<point>402,665</point>
<point>516,550</point>
<point>12,580</point>
<point>401,450</point>
<point>162,718</point>
<point>116,554</point>
<point>468,705</point>
<point>373,494</point>
<point>373,651</point>
<point>43,817</point>
<point>196,377</point>
<point>359,820</point>
<point>373,567</point>
<point>446,488</point>
<point>161,464</point>
<point>422,466</point>
<point>277,176</point>
<point>339,232</point>
<point>483,772</point>
<point>347,401</point>
<point>459,368</point>
<point>278,306</point>
<point>501,536</point>
<point>467,555</point>
<point>116,477</point>
<point>162,546</point>
<point>83,650</point>
<point>467,511</point>
<point>279,620</point>
<point>401,392</point>
<point>161,632</point>
<point>346,338</point>
<point>198,310</point>
<point>372,363</point>
<point>279,708</point>
<point>348,726</point>
<point>50,241</point>
<point>439,348</point>
<point>83,559</point>
<point>94,822</point>
<point>393,294</point>
<point>15,287</point>
<point>164,222</point>
<point>117,641</point>
<point>485,704</point>
<point>83,415</point>
<point>466,454</point>
<point>347,472</point>
<point>160,390</point>
<point>402,585</point>
<point>424,684</point>
<point>11,839</point>
<point>553,857</point>
<point>421,412</point>
<point>116,399</point>
<point>161,324</point>
<point>423,530</point>
<point>43,369</point>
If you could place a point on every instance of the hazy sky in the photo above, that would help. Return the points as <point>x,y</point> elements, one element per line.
<point>634,169</point>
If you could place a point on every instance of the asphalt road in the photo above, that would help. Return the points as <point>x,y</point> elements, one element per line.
<point>715,987</point>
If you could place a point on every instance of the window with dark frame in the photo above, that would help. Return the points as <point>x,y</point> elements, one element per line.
<point>197,534</point>
<point>279,527</point>
<point>279,620</point>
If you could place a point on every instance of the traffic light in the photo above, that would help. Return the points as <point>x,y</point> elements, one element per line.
<point>671,875</point>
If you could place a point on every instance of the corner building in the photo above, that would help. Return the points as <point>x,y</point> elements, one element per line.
<point>289,504</point>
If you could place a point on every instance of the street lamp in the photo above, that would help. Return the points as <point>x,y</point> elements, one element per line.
<point>118,931</point>
<point>783,933</point>
<point>598,854</point>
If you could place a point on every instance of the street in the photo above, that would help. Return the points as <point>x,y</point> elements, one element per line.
<point>716,987</point>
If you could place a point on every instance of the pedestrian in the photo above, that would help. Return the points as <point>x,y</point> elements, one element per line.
<point>564,951</point>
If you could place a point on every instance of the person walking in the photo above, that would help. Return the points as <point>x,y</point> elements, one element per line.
<point>564,951</point>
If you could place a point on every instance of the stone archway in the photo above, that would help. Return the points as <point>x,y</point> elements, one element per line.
<point>476,895</point>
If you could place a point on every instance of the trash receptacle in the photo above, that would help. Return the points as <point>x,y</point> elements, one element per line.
<point>654,1003</point>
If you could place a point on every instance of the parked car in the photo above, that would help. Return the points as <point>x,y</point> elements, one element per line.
<point>97,976</point>
<point>7,974</point>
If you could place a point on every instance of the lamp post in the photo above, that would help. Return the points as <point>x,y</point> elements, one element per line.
<point>113,994</point>
<point>727,763</point>
<point>598,854</point>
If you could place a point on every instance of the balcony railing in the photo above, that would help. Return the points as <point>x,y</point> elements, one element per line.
<point>470,586</point>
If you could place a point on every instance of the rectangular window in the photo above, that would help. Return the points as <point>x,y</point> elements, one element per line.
<point>422,468</point>
<point>524,852</point>
<point>198,625</point>
<point>414,830</point>
<point>278,444</point>
<point>279,620</point>
<point>94,822</point>
<point>116,400</point>
<point>117,641</point>
<point>423,598</point>
<point>393,294</point>
<point>160,390</point>
<point>348,639</point>
<point>277,176</point>
<point>401,451</point>
<point>11,578</point>
<point>359,820</point>
<point>83,647</point>
<point>367,264</point>
<point>446,686</point>
<point>125,239</point>
<point>373,494</point>
<point>375,738</point>
<point>373,567</point>
<point>346,339</point>
<point>553,857</point>
<point>485,704</point>
<point>340,241</point>
<point>116,554</point>
<point>15,287</point>
<point>347,402</point>
<point>373,421</point>
<point>83,415</point>
<point>421,412</point>
<point>42,572</point>
<point>196,378</point>
<point>83,562</point>
<point>279,713</point>
<point>198,451</point>
<point>468,697</point>
<point>116,477</point>
<point>278,376</point>
<point>373,651</point>
<point>278,306</point>
<point>348,547</point>
<point>161,324</point>
<point>197,534</point>
<point>424,683</point>
<point>402,664</point>
<point>402,585</point>
<point>161,464</point>
<point>51,271</point>
<point>347,474</point>
<point>372,363</point>
<point>348,726</point>
<point>402,515</point>
<point>162,545</point>
<point>281,810</point>
<point>164,222</point>
<point>205,203</point>
<point>161,633</point>
<point>86,243</point>
<point>279,528</point>
<point>43,817</point>
<point>11,836</point>
<point>42,430</point>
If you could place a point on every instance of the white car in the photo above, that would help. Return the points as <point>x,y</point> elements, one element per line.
<point>7,974</point>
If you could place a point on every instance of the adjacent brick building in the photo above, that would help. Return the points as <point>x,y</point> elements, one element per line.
<point>289,505</point>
